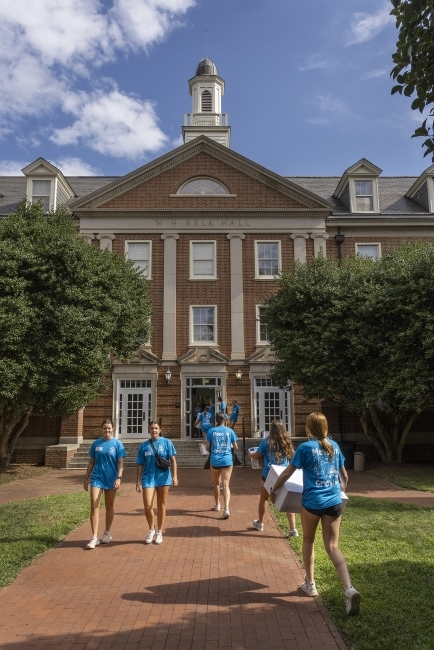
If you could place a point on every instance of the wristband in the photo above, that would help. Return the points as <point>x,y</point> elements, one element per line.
<point>119,478</point>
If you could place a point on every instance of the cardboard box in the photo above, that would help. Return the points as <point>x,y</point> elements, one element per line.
<point>288,497</point>
<point>203,450</point>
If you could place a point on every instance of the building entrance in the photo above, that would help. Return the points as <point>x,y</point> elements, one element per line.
<point>271,403</point>
<point>199,391</point>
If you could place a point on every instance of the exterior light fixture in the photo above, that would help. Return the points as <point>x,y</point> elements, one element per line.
<point>238,375</point>
<point>168,375</point>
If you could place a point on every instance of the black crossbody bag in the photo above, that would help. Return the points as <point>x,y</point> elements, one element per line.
<point>161,462</point>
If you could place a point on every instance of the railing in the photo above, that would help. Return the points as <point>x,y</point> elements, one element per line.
<point>206,119</point>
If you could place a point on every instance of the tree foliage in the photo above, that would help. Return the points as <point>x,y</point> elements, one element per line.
<point>361,334</point>
<point>66,308</point>
<point>414,61</point>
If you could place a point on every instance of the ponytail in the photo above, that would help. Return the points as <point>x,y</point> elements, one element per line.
<point>317,427</point>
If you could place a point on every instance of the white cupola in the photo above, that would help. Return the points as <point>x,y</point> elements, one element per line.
<point>206,118</point>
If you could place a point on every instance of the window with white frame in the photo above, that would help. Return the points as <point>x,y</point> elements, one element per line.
<point>369,250</point>
<point>200,186</point>
<point>203,329</point>
<point>41,191</point>
<point>267,259</point>
<point>364,192</point>
<point>261,329</point>
<point>203,260</point>
<point>140,253</point>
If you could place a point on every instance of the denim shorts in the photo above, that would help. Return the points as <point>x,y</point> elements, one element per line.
<point>333,511</point>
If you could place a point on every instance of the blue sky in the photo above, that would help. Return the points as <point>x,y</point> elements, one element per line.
<point>101,87</point>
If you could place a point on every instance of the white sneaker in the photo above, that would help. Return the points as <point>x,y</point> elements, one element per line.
<point>257,524</point>
<point>353,601</point>
<point>309,588</point>
<point>226,514</point>
<point>293,533</point>
<point>93,542</point>
<point>217,507</point>
<point>106,538</point>
<point>150,536</point>
<point>159,537</point>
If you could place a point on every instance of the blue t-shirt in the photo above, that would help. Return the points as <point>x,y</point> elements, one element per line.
<point>212,409</point>
<point>234,414</point>
<point>221,439</point>
<point>270,457</point>
<point>205,421</point>
<point>106,454</point>
<point>152,475</point>
<point>321,487</point>
<point>222,408</point>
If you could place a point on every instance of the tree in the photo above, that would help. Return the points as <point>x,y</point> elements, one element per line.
<point>414,61</point>
<point>66,308</point>
<point>361,334</point>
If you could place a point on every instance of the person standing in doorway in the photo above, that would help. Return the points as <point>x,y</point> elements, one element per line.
<point>155,480</point>
<point>234,414</point>
<point>196,412</point>
<point>219,443</point>
<point>205,421</point>
<point>222,407</point>
<point>104,471</point>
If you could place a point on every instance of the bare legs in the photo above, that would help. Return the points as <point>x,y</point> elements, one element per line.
<point>330,534</point>
<point>223,474</point>
<point>148,502</point>
<point>95,498</point>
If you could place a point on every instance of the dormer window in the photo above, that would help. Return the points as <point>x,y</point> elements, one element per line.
<point>41,192</point>
<point>206,101</point>
<point>364,196</point>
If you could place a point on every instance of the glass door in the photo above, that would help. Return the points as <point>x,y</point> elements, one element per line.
<point>134,408</point>
<point>271,403</point>
<point>202,390</point>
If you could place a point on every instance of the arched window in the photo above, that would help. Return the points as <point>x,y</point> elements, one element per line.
<point>202,186</point>
<point>206,101</point>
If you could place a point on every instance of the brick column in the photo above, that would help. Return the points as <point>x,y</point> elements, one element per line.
<point>300,247</point>
<point>71,429</point>
<point>237,296</point>
<point>319,242</point>
<point>169,298</point>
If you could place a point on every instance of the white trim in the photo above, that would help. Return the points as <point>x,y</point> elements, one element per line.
<point>214,259</point>
<point>353,198</point>
<point>141,241</point>
<point>208,344</point>
<point>258,327</point>
<point>53,187</point>
<point>279,258</point>
<point>366,243</point>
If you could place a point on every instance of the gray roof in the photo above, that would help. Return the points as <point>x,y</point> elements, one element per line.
<point>391,190</point>
<point>206,67</point>
<point>13,189</point>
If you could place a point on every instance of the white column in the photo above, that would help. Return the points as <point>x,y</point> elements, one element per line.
<point>237,297</point>
<point>319,243</point>
<point>105,242</point>
<point>88,238</point>
<point>300,247</point>
<point>169,297</point>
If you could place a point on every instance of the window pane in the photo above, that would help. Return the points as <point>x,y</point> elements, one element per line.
<point>369,250</point>
<point>203,324</point>
<point>268,258</point>
<point>203,333</point>
<point>203,186</point>
<point>267,267</point>
<point>45,200</point>
<point>202,268</point>
<point>41,188</point>
<point>139,253</point>
<point>203,251</point>
<point>363,188</point>
<point>364,203</point>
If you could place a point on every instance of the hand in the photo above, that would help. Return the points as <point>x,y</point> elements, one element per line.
<point>138,488</point>
<point>117,484</point>
<point>86,485</point>
<point>175,481</point>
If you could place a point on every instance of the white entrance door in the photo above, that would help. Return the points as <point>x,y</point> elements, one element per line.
<point>271,403</point>
<point>134,409</point>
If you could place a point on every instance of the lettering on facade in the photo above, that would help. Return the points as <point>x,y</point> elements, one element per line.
<point>203,223</point>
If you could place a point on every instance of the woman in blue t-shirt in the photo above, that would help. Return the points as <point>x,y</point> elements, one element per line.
<point>155,480</point>
<point>324,475</point>
<point>277,449</point>
<point>219,443</point>
<point>204,421</point>
<point>104,471</point>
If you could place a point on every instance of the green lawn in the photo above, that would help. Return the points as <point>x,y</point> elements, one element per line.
<point>32,526</point>
<point>411,476</point>
<point>389,548</point>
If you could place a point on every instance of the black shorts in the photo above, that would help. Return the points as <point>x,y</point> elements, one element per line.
<point>222,467</point>
<point>333,511</point>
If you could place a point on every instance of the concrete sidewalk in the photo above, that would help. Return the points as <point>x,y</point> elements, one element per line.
<point>211,584</point>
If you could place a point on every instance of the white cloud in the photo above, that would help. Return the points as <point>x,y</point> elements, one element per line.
<point>114,124</point>
<point>44,49</point>
<point>316,62</point>
<point>374,74</point>
<point>12,167</point>
<point>177,142</point>
<point>365,27</point>
<point>70,166</point>
<point>331,105</point>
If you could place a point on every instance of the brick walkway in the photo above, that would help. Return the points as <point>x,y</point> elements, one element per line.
<point>211,584</point>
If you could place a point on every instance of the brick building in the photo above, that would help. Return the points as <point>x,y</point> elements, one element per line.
<point>210,229</point>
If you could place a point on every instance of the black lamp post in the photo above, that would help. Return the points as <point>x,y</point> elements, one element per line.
<point>339,239</point>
